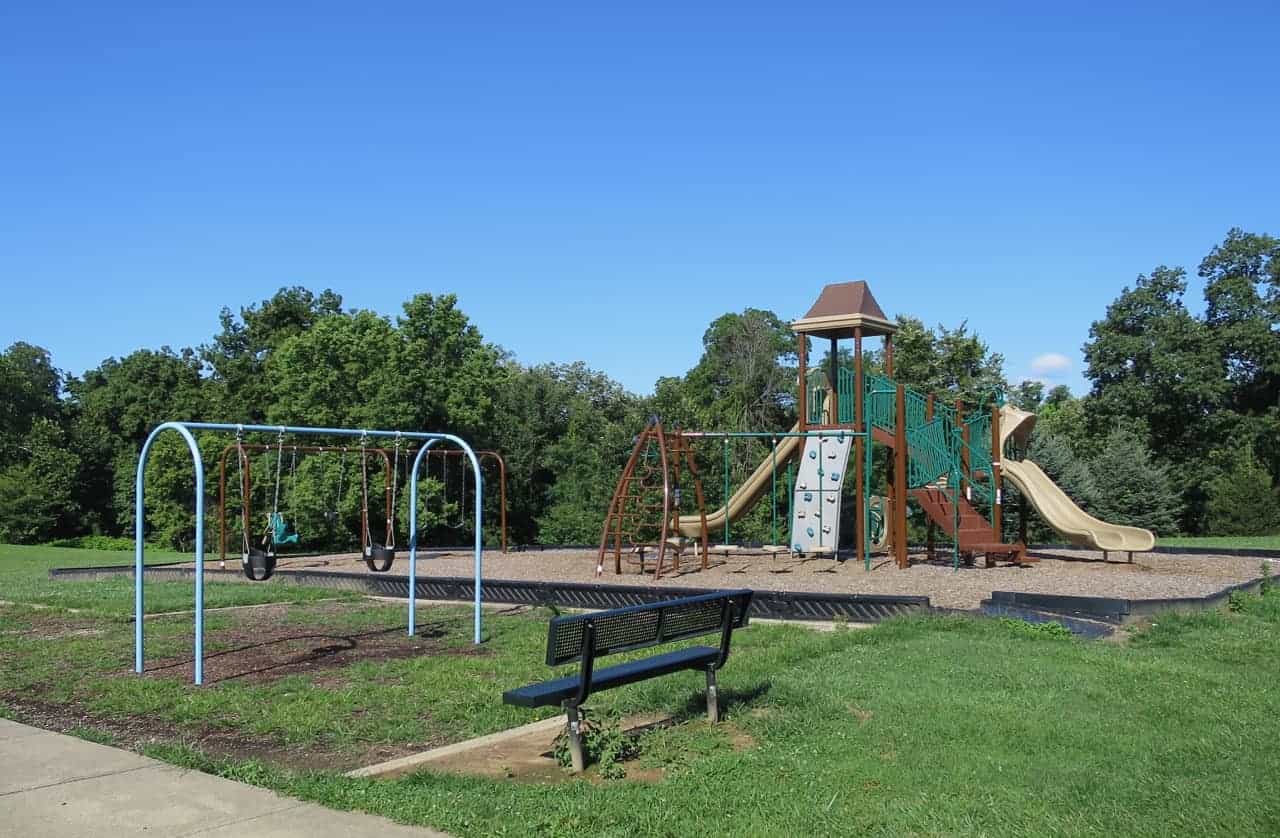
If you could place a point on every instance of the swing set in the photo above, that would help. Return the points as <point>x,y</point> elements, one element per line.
<point>263,563</point>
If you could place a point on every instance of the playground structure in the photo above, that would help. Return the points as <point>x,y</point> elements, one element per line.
<point>187,431</point>
<point>645,510</point>
<point>944,456</point>
<point>277,528</point>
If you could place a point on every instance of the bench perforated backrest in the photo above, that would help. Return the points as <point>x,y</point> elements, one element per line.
<point>641,626</point>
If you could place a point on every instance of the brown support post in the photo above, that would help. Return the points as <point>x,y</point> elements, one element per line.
<point>802,353</point>
<point>900,479</point>
<point>859,452</point>
<point>996,499</point>
<point>835,384</point>
<point>1022,518</point>
<point>222,504</point>
<point>246,489</point>
<point>931,528</point>
<point>888,355</point>
<point>666,501</point>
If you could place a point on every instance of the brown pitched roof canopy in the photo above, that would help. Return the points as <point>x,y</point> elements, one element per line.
<point>840,308</point>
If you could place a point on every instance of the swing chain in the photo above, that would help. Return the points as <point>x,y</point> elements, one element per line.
<point>395,487</point>
<point>244,500</point>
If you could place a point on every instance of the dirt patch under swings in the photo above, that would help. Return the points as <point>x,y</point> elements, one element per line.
<point>262,646</point>
<point>259,646</point>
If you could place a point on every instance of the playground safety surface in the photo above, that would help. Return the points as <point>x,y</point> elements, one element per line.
<point>1151,576</point>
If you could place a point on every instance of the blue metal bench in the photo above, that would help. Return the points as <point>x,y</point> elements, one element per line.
<point>585,637</point>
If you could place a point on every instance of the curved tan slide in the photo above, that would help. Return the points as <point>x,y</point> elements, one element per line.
<point>1055,507</point>
<point>788,448</point>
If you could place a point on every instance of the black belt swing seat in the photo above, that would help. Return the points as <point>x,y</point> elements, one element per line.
<point>379,557</point>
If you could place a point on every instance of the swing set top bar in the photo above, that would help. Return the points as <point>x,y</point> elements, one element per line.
<point>184,429</point>
<point>767,434</point>
<point>295,429</point>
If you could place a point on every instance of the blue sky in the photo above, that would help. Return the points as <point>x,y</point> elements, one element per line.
<point>599,184</point>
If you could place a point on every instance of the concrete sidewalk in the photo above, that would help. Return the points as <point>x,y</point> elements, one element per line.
<point>59,786</point>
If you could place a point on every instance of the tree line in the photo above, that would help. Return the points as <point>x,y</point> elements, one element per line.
<point>1180,430</point>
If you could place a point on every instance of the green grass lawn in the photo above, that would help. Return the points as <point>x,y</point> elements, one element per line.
<point>24,577</point>
<point>1243,542</point>
<point>923,726</point>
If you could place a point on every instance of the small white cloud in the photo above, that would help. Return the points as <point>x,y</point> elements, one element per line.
<point>1050,365</point>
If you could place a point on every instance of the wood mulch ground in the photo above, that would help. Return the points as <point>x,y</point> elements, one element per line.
<point>1080,573</point>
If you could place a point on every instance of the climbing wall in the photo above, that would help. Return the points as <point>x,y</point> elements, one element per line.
<point>815,518</point>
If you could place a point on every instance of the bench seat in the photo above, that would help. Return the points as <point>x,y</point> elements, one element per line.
<point>561,689</point>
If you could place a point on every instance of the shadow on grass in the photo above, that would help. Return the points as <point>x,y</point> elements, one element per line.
<point>330,649</point>
<point>730,701</point>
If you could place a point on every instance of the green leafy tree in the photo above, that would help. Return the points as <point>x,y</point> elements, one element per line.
<point>1243,500</point>
<point>1242,295</point>
<point>1133,488</point>
<point>339,373</point>
<point>237,356</point>
<point>952,363</point>
<point>1062,415</point>
<point>1150,358</point>
<point>582,431</point>
<point>745,379</point>
<point>115,406</point>
<point>37,501</point>
<point>1027,395</point>
<point>447,371</point>
<point>30,390</point>
<point>1072,474</point>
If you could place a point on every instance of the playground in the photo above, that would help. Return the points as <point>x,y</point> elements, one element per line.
<point>313,639</point>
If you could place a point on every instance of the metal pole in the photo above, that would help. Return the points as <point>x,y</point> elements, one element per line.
<point>726,491</point>
<point>866,495</point>
<point>791,499</point>
<point>413,536</point>
<point>139,507</point>
<point>773,491</point>
<point>802,351</point>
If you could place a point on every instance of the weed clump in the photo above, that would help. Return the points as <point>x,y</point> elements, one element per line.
<point>603,742</point>
<point>1051,629</point>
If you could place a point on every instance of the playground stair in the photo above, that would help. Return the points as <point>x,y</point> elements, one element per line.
<point>945,450</point>
<point>974,532</point>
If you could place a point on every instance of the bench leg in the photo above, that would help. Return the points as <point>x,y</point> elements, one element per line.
<point>713,698</point>
<point>575,738</point>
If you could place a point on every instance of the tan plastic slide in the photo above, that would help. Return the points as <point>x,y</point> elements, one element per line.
<point>1053,504</point>
<point>788,448</point>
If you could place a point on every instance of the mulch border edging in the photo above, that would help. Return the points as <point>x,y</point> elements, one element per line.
<point>786,605</point>
<point>1120,611</point>
<point>783,605</point>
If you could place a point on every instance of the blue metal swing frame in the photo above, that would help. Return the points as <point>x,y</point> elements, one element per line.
<point>185,429</point>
